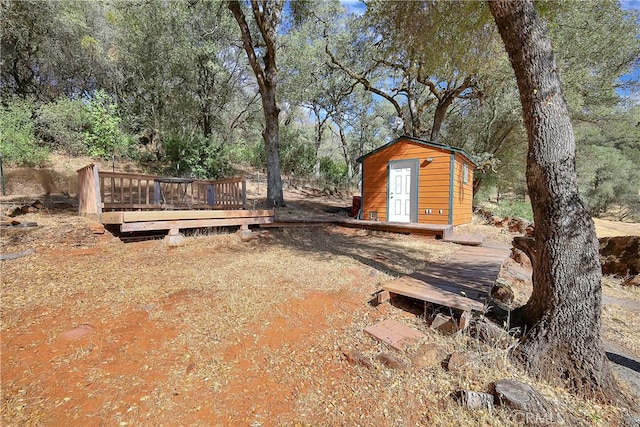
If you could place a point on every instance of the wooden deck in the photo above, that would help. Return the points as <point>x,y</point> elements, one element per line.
<point>131,221</point>
<point>439,231</point>
<point>102,191</point>
<point>464,282</point>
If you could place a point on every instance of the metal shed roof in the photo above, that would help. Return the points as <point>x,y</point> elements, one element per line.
<point>422,142</point>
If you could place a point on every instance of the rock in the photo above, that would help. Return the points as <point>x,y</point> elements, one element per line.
<point>391,362</point>
<point>174,239</point>
<point>96,227</point>
<point>245,234</point>
<point>521,258</point>
<point>429,355</point>
<point>514,275</point>
<point>354,357</point>
<point>6,220</point>
<point>16,255</point>
<point>529,230</point>
<point>29,209</point>
<point>444,324</point>
<point>502,292</point>
<point>484,213</point>
<point>77,332</point>
<point>15,212</point>
<point>620,255</point>
<point>465,320</point>
<point>632,281</point>
<point>496,221</point>
<point>517,225</point>
<point>474,400</point>
<point>528,405</point>
<point>460,363</point>
<point>491,334</point>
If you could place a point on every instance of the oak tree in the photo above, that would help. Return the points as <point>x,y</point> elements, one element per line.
<point>563,315</point>
<point>267,15</point>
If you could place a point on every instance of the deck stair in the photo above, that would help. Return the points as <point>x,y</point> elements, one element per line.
<point>464,282</point>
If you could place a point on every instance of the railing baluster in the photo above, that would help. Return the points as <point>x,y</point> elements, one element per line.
<point>223,194</point>
<point>113,189</point>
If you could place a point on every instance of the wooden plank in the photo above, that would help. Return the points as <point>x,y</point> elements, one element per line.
<point>465,239</point>
<point>394,333</point>
<point>471,286</point>
<point>121,206</point>
<point>193,214</point>
<point>111,218</point>
<point>300,223</point>
<point>418,290</point>
<point>383,296</point>
<point>422,229</point>
<point>193,223</point>
<point>463,282</point>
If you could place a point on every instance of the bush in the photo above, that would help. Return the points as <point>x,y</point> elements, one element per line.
<point>333,171</point>
<point>607,178</point>
<point>196,156</point>
<point>17,138</point>
<point>513,208</point>
<point>62,125</point>
<point>104,137</point>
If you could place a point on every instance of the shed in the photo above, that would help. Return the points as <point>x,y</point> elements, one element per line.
<point>410,180</point>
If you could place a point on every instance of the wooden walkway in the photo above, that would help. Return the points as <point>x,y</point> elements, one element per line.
<point>464,239</point>
<point>438,231</point>
<point>464,282</point>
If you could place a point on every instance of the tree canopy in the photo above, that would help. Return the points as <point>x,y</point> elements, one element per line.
<point>181,84</point>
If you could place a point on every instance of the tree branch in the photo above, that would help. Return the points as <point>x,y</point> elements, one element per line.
<point>368,86</point>
<point>247,43</point>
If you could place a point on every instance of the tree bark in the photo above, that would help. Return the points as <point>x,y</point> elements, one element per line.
<point>267,18</point>
<point>562,342</point>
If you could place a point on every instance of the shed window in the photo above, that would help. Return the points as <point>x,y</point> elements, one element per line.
<point>465,174</point>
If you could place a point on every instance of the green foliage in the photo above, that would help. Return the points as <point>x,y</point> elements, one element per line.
<point>17,139</point>
<point>513,208</point>
<point>607,177</point>
<point>197,156</point>
<point>297,156</point>
<point>62,125</point>
<point>104,137</point>
<point>332,170</point>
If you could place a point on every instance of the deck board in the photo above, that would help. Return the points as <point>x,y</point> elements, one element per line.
<point>464,282</point>
<point>438,230</point>
<point>465,239</point>
<point>174,220</point>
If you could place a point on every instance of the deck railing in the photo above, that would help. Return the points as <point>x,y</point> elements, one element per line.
<point>101,191</point>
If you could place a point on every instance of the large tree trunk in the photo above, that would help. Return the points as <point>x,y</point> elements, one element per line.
<point>267,18</point>
<point>270,134</point>
<point>562,342</point>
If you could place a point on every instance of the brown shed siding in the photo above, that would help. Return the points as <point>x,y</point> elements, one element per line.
<point>434,182</point>
<point>463,192</point>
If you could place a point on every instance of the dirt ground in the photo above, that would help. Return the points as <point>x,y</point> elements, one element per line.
<point>96,331</point>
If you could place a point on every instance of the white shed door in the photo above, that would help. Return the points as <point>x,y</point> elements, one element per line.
<point>399,194</point>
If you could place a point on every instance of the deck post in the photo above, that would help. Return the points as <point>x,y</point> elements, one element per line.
<point>245,233</point>
<point>174,238</point>
<point>244,192</point>
<point>89,202</point>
